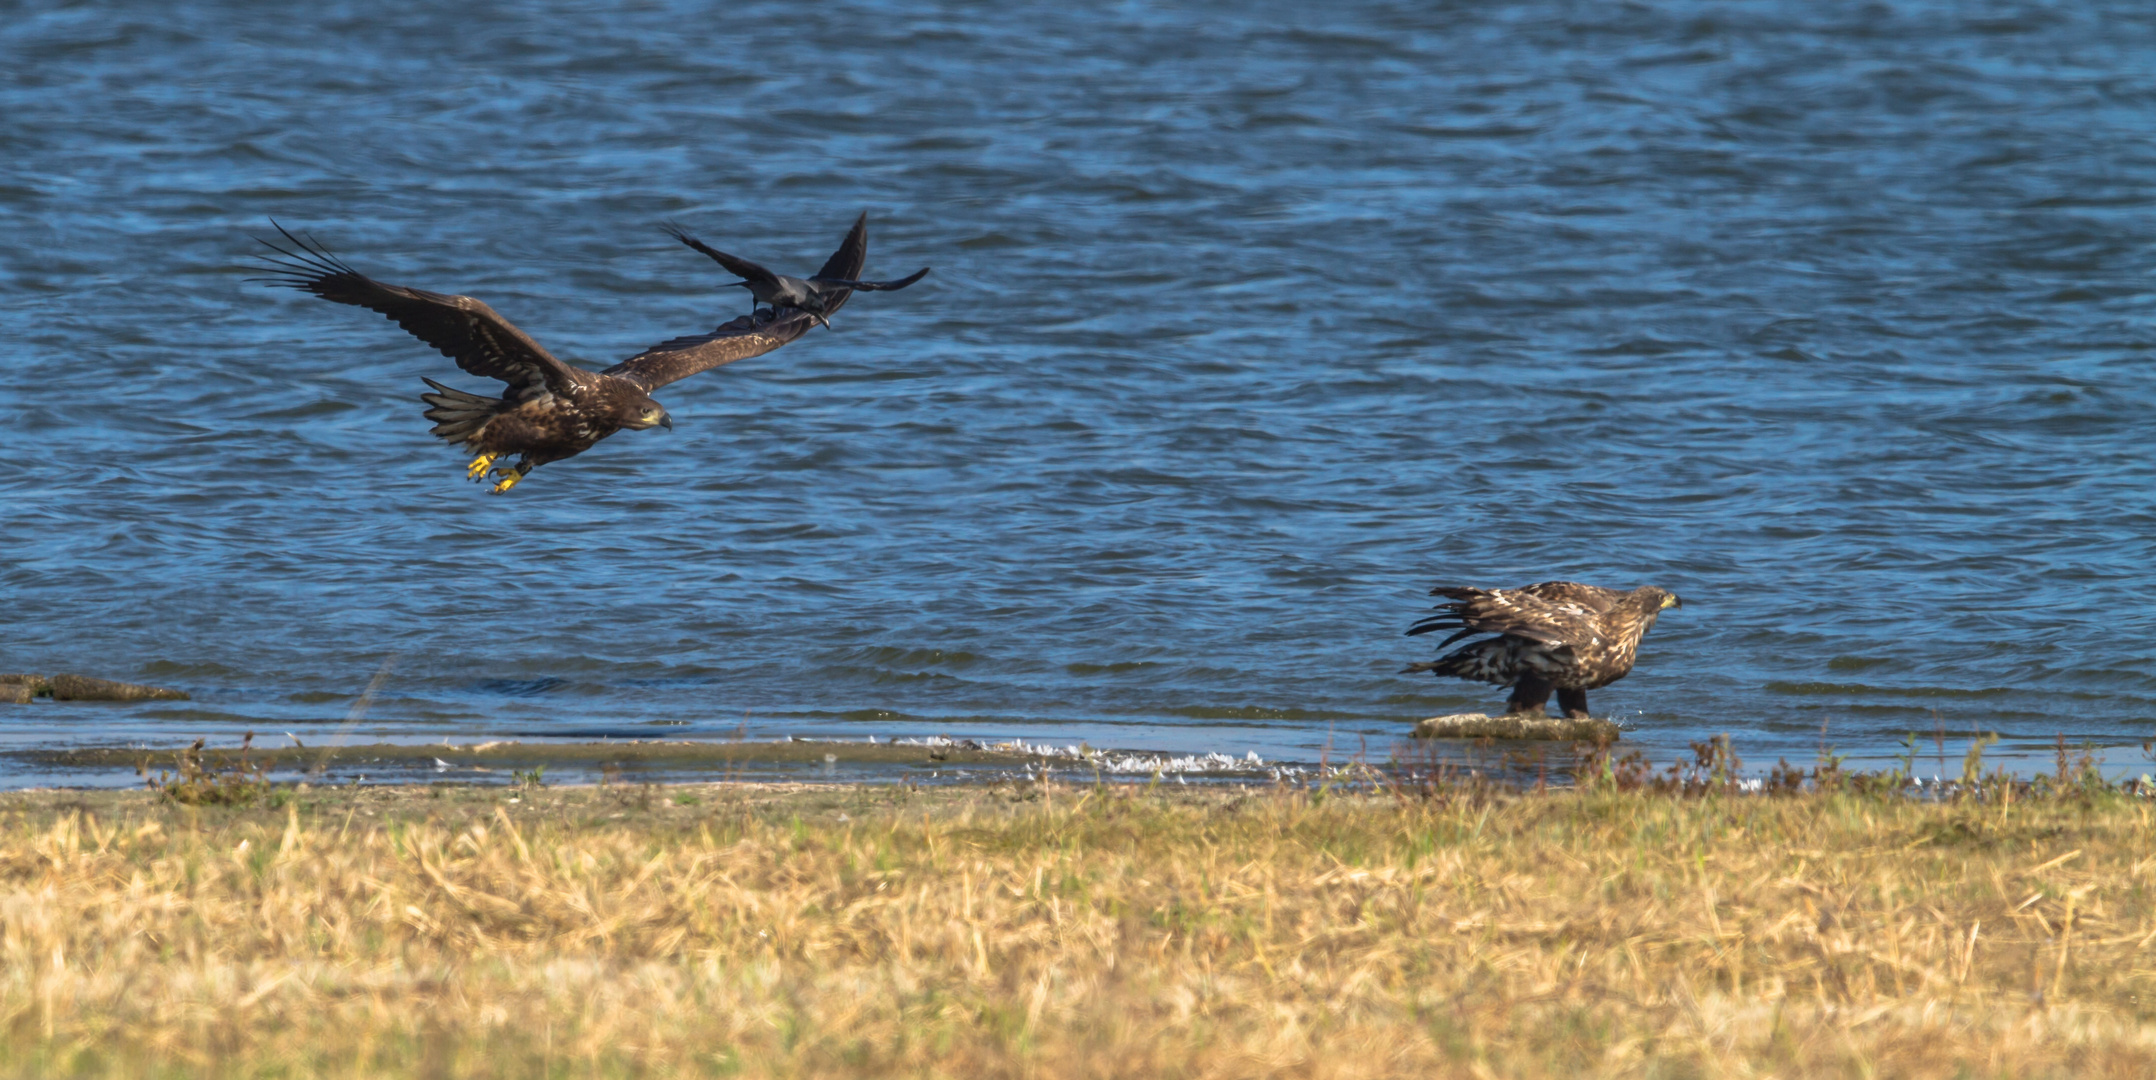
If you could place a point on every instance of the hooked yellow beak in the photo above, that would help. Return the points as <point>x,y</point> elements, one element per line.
<point>1671,601</point>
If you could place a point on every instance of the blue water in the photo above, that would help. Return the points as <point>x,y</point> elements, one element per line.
<point>1249,323</point>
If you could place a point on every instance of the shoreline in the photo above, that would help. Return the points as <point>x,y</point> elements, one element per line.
<point>943,760</point>
<point>654,760</point>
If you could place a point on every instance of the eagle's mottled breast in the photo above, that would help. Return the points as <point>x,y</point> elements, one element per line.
<point>1613,646</point>
<point>549,426</point>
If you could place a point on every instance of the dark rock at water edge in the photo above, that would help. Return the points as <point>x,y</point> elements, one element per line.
<point>1516,726</point>
<point>85,688</point>
<point>20,689</point>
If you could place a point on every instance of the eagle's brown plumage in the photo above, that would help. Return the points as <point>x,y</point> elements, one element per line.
<point>549,410</point>
<point>1557,635</point>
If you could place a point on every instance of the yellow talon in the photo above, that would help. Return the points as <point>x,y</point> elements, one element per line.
<point>479,466</point>
<point>508,481</point>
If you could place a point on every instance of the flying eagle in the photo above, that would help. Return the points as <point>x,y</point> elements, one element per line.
<point>1557,635</point>
<point>549,410</point>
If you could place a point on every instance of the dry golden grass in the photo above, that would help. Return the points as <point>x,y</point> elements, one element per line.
<point>1027,931</point>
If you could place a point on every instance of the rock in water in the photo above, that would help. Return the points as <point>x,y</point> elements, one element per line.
<point>20,689</point>
<point>1517,726</point>
<point>84,688</point>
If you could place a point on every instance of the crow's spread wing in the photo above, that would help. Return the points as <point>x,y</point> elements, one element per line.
<point>875,286</point>
<point>734,264</point>
<point>847,261</point>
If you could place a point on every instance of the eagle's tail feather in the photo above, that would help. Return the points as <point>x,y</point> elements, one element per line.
<point>1484,661</point>
<point>457,415</point>
<point>1443,666</point>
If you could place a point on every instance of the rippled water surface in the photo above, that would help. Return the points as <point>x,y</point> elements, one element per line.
<point>1249,322</point>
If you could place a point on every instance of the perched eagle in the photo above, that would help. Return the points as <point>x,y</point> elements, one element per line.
<point>549,410</point>
<point>1557,635</point>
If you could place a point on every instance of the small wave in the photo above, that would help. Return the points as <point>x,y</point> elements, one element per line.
<point>895,656</point>
<point>1247,712</point>
<point>870,715</point>
<point>1861,690</point>
<point>522,687</point>
<point>913,677</point>
<point>1111,669</point>
<point>1855,663</point>
<point>172,667</point>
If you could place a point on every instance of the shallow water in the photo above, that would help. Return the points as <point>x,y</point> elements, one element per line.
<point>1248,324</point>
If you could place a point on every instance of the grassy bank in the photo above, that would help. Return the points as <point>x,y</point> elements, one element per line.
<point>1034,930</point>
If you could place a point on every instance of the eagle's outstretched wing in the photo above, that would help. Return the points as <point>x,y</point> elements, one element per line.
<point>671,361</point>
<point>463,329</point>
<point>1551,612</point>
